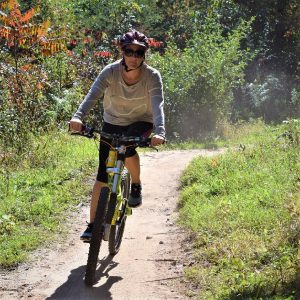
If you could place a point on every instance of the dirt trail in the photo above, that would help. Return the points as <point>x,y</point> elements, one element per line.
<point>149,264</point>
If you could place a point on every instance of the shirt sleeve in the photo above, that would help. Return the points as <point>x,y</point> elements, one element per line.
<point>95,93</point>
<point>157,102</point>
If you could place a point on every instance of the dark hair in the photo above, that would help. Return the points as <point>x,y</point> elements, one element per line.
<point>134,38</point>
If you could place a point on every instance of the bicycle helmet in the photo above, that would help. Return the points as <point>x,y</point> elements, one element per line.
<point>134,38</point>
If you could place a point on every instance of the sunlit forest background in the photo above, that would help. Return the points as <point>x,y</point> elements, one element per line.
<point>231,75</point>
<point>221,61</point>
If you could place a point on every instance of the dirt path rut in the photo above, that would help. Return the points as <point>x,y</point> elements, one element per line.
<point>149,264</point>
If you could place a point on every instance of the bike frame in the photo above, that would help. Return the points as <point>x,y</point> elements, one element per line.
<point>114,181</point>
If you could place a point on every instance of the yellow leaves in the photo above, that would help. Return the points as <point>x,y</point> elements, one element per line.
<point>43,28</point>
<point>29,30</point>
<point>49,47</point>
<point>34,30</point>
<point>135,6</point>
<point>9,4</point>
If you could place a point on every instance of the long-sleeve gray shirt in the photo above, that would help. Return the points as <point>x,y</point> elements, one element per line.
<point>124,104</point>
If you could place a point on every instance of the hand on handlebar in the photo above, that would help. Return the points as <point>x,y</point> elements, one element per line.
<point>157,140</point>
<point>75,125</point>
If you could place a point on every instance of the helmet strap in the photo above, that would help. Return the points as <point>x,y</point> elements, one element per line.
<point>126,67</point>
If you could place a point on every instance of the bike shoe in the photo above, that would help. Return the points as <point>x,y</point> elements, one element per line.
<point>135,197</point>
<point>87,234</point>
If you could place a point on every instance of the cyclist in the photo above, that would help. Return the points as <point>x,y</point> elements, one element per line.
<point>132,93</point>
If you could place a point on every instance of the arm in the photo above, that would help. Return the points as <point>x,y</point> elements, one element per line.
<point>157,102</point>
<point>94,95</point>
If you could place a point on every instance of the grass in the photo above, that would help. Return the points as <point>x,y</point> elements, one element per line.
<point>38,190</point>
<point>244,210</point>
<point>242,207</point>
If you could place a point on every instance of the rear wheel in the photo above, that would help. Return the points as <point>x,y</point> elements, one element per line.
<point>98,230</point>
<point>116,231</point>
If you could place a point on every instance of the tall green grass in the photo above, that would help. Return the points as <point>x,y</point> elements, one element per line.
<point>243,208</point>
<point>38,190</point>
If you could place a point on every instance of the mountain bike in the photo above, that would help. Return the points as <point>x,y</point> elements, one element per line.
<point>112,209</point>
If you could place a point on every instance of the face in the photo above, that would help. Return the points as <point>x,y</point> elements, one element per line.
<point>133,55</point>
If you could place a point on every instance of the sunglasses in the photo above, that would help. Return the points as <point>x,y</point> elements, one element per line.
<point>138,53</point>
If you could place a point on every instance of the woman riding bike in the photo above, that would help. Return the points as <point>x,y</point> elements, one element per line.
<point>132,93</point>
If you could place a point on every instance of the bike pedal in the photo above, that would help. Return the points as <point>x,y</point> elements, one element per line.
<point>128,211</point>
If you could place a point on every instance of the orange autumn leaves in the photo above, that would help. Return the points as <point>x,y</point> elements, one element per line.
<point>17,31</point>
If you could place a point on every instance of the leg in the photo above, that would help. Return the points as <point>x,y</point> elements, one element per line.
<point>87,234</point>
<point>133,166</point>
<point>132,162</point>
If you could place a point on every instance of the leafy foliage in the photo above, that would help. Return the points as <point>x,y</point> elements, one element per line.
<point>199,80</point>
<point>244,209</point>
<point>203,50</point>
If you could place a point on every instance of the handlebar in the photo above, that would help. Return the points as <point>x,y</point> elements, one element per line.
<point>139,141</point>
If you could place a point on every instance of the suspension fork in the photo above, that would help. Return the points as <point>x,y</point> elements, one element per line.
<point>116,183</point>
<point>118,168</point>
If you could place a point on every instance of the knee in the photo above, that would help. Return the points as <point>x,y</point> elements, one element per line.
<point>99,184</point>
<point>132,159</point>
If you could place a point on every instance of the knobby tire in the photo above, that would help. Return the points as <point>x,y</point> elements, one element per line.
<point>116,231</point>
<point>97,235</point>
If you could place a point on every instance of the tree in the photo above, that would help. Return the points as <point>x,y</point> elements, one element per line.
<point>23,45</point>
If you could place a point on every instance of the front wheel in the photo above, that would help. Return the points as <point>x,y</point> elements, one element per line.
<point>97,234</point>
<point>116,231</point>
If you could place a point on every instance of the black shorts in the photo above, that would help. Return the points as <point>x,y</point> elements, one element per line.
<point>135,129</point>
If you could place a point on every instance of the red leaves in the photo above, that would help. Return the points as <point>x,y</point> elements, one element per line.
<point>88,40</point>
<point>102,54</point>
<point>26,67</point>
<point>155,44</point>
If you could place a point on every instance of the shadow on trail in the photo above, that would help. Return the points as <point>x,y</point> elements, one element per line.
<point>75,288</point>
